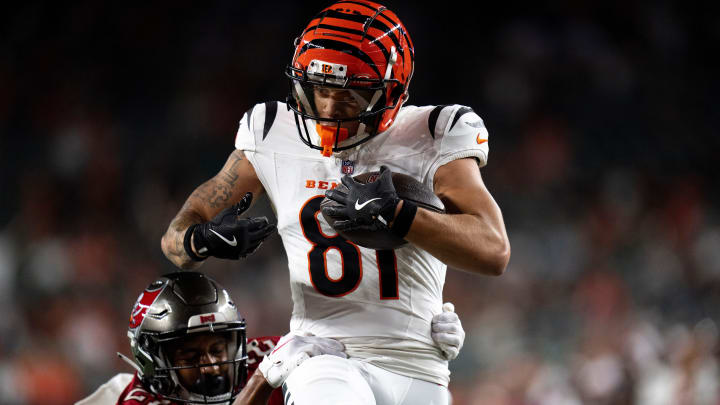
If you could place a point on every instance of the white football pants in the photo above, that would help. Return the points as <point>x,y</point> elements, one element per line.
<point>332,380</point>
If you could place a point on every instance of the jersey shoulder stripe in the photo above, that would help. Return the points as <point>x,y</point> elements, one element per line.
<point>444,120</point>
<point>270,113</point>
<point>433,117</point>
<point>460,112</point>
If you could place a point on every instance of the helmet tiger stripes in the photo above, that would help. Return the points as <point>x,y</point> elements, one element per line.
<point>358,55</point>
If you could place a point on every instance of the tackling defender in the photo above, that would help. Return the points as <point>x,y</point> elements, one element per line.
<point>349,80</point>
<point>188,346</point>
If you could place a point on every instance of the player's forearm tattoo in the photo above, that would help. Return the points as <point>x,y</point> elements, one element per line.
<point>220,195</point>
<point>179,247</point>
<point>229,174</point>
<point>175,249</point>
<point>215,193</point>
<point>223,190</point>
<point>212,192</point>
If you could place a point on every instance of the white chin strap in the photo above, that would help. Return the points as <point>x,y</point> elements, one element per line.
<point>388,72</point>
<point>201,399</point>
<point>130,362</point>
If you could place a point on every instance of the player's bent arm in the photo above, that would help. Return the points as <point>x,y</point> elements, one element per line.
<point>223,190</point>
<point>472,236</point>
<point>257,391</point>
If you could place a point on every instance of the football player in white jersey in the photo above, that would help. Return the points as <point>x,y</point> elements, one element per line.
<point>349,80</point>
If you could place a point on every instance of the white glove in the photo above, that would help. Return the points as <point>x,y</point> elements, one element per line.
<point>291,351</point>
<point>447,331</point>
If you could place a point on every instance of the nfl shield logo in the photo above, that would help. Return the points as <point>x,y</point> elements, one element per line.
<point>348,167</point>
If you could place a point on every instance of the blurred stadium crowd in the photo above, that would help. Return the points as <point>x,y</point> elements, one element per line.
<point>603,159</point>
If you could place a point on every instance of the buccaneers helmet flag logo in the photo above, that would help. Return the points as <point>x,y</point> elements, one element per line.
<point>144,301</point>
<point>207,318</point>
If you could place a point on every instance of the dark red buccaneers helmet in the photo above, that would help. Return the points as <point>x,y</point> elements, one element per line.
<point>360,54</point>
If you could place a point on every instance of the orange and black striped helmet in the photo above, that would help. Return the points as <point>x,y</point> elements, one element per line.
<point>359,53</point>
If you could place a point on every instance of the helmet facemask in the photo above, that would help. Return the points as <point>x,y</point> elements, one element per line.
<point>346,111</point>
<point>196,366</point>
<point>206,368</point>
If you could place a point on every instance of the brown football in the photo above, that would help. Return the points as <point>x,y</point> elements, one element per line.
<point>408,189</point>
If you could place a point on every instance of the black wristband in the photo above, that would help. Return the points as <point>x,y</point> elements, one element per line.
<point>188,248</point>
<point>404,219</point>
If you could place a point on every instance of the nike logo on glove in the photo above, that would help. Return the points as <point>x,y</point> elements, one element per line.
<point>232,242</point>
<point>358,207</point>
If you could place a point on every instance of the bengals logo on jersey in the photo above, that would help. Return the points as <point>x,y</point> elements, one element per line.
<point>145,301</point>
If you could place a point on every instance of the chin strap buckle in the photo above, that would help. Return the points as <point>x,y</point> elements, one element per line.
<point>327,137</point>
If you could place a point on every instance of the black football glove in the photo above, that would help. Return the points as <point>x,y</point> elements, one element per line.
<point>228,236</point>
<point>367,207</point>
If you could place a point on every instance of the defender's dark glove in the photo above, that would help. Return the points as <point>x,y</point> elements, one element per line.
<point>228,236</point>
<point>368,207</point>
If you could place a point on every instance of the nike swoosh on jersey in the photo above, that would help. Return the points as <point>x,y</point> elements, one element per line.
<point>232,242</point>
<point>358,207</point>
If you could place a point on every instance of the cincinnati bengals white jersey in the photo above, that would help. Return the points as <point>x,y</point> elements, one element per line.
<point>378,303</point>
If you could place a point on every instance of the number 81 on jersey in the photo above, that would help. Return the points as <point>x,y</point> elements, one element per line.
<point>350,253</point>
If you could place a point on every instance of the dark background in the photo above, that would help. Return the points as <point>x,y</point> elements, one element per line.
<point>603,140</point>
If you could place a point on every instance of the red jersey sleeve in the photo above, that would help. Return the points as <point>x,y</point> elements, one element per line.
<point>136,394</point>
<point>257,348</point>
